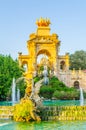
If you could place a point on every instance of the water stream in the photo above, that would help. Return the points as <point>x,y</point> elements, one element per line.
<point>13,91</point>
<point>81,97</point>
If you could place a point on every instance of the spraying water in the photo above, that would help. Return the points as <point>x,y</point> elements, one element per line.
<point>81,97</point>
<point>45,74</point>
<point>13,91</point>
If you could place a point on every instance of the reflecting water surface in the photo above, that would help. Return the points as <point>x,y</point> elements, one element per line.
<point>61,102</point>
<point>55,125</point>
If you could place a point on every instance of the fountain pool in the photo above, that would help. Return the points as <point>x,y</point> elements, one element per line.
<point>61,102</point>
<point>50,103</point>
<point>54,125</point>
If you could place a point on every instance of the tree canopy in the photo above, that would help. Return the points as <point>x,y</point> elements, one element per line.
<point>9,69</point>
<point>78,60</point>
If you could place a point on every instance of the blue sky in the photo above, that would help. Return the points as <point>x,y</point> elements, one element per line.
<point>18,17</point>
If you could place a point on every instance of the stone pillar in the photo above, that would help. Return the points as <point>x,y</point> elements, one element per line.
<point>67,61</point>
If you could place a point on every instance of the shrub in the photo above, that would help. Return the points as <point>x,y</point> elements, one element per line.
<point>66,95</point>
<point>46,91</point>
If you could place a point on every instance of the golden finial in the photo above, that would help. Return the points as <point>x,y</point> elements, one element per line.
<point>43,22</point>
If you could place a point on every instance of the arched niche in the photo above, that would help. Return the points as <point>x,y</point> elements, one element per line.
<point>25,66</point>
<point>62,65</point>
<point>76,84</point>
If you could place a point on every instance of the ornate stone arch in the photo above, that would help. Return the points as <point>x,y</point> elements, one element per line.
<point>44,51</point>
<point>41,42</point>
<point>49,61</point>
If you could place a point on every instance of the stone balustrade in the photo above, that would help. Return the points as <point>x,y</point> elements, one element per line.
<point>6,112</point>
<point>63,113</point>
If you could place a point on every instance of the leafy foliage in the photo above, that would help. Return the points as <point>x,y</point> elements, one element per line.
<point>46,91</point>
<point>66,95</point>
<point>78,60</point>
<point>58,90</point>
<point>36,79</point>
<point>9,68</point>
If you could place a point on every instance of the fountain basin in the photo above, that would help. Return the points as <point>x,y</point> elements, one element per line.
<point>61,102</point>
<point>7,103</point>
<point>49,125</point>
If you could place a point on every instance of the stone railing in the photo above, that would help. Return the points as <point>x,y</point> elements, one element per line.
<point>63,113</point>
<point>6,112</point>
<point>51,112</point>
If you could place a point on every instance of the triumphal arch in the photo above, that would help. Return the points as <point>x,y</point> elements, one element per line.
<point>42,42</point>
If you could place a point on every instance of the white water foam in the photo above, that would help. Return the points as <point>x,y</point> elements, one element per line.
<point>4,124</point>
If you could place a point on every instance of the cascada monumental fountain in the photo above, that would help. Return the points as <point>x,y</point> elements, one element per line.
<point>43,43</point>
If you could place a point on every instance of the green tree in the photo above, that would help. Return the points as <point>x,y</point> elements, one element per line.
<point>78,60</point>
<point>9,68</point>
<point>46,91</point>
